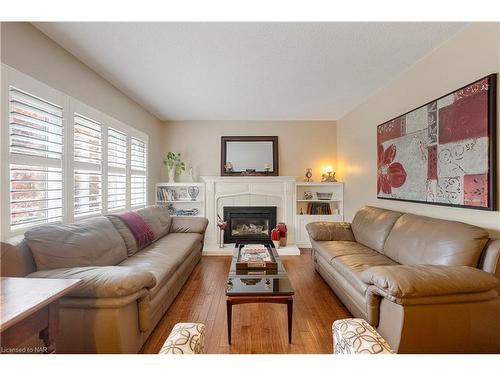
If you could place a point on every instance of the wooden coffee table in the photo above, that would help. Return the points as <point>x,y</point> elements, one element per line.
<point>29,307</point>
<point>264,286</point>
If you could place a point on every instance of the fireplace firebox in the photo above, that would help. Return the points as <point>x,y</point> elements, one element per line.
<point>249,223</point>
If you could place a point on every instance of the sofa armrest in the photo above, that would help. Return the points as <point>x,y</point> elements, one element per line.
<point>188,225</point>
<point>490,261</point>
<point>327,231</point>
<point>401,282</point>
<point>102,282</point>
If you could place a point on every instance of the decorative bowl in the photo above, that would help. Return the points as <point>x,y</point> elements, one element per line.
<point>324,196</point>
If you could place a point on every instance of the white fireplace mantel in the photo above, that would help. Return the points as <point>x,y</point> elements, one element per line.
<point>276,191</point>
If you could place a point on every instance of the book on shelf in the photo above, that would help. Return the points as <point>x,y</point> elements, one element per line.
<point>318,208</point>
<point>164,193</point>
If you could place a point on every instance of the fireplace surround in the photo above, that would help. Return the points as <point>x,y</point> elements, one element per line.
<point>249,191</point>
<point>248,223</point>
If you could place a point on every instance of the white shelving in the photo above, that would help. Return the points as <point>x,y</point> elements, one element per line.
<point>287,195</point>
<point>180,189</point>
<point>335,206</point>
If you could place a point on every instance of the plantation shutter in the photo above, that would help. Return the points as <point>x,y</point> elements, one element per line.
<point>87,165</point>
<point>138,154</point>
<point>117,169</point>
<point>36,150</point>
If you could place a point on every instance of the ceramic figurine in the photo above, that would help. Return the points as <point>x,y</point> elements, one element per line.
<point>228,166</point>
<point>308,175</point>
<point>328,177</point>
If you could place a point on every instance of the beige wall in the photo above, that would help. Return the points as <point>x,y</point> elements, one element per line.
<point>302,144</point>
<point>28,50</point>
<point>471,54</point>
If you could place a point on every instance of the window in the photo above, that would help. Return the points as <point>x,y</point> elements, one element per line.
<point>138,156</point>
<point>36,149</point>
<point>64,160</point>
<point>117,169</point>
<point>87,165</point>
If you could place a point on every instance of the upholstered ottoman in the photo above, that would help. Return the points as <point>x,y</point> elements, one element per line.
<point>185,338</point>
<point>356,336</point>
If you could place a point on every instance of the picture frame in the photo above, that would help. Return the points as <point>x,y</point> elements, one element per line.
<point>442,152</point>
<point>182,194</point>
<point>257,152</point>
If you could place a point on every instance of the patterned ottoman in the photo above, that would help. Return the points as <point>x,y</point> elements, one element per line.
<point>185,338</point>
<point>356,336</point>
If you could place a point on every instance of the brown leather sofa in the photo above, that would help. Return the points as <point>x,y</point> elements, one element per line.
<point>125,290</point>
<point>427,285</point>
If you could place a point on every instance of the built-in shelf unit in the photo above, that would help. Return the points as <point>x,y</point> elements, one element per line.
<point>175,195</point>
<point>311,207</point>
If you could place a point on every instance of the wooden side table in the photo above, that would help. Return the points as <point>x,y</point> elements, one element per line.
<point>29,307</point>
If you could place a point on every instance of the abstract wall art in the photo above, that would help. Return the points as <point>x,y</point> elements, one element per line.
<point>442,152</point>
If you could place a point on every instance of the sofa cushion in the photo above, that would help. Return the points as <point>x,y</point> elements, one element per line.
<point>371,226</point>
<point>186,224</point>
<point>164,256</point>
<point>158,219</point>
<point>332,249</point>
<point>97,282</point>
<point>351,266</point>
<point>423,240</point>
<point>328,231</point>
<point>90,242</point>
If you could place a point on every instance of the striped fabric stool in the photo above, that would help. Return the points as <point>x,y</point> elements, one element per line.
<point>185,338</point>
<point>356,336</point>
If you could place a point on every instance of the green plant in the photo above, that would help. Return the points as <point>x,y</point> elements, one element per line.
<point>174,160</point>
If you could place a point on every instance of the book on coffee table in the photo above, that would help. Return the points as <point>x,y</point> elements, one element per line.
<point>255,256</point>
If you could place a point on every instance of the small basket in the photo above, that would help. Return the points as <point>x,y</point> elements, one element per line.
<point>324,196</point>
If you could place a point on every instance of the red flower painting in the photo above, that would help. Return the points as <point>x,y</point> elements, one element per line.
<point>390,175</point>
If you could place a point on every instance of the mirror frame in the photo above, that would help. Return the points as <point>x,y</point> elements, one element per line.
<point>225,139</point>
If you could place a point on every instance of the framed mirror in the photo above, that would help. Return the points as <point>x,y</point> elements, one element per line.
<point>249,156</point>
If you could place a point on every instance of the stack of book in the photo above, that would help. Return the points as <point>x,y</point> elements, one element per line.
<point>318,208</point>
<point>165,194</point>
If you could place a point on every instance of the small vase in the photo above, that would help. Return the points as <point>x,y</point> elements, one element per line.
<point>193,192</point>
<point>171,175</point>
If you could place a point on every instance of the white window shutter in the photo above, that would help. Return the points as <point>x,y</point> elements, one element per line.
<point>36,150</point>
<point>87,166</point>
<point>117,169</point>
<point>138,167</point>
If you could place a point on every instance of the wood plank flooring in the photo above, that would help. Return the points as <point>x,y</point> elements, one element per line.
<point>257,328</point>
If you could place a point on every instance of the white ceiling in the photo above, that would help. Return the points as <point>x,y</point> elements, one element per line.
<point>249,71</point>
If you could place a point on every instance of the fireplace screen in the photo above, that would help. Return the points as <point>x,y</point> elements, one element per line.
<point>249,223</point>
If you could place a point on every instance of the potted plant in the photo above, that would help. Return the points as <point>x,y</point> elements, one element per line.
<point>174,164</point>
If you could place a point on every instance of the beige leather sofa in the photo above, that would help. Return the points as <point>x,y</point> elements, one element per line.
<point>427,285</point>
<point>125,290</point>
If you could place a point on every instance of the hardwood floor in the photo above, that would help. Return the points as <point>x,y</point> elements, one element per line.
<point>257,328</point>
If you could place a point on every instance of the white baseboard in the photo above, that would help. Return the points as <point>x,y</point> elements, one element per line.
<point>214,250</point>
